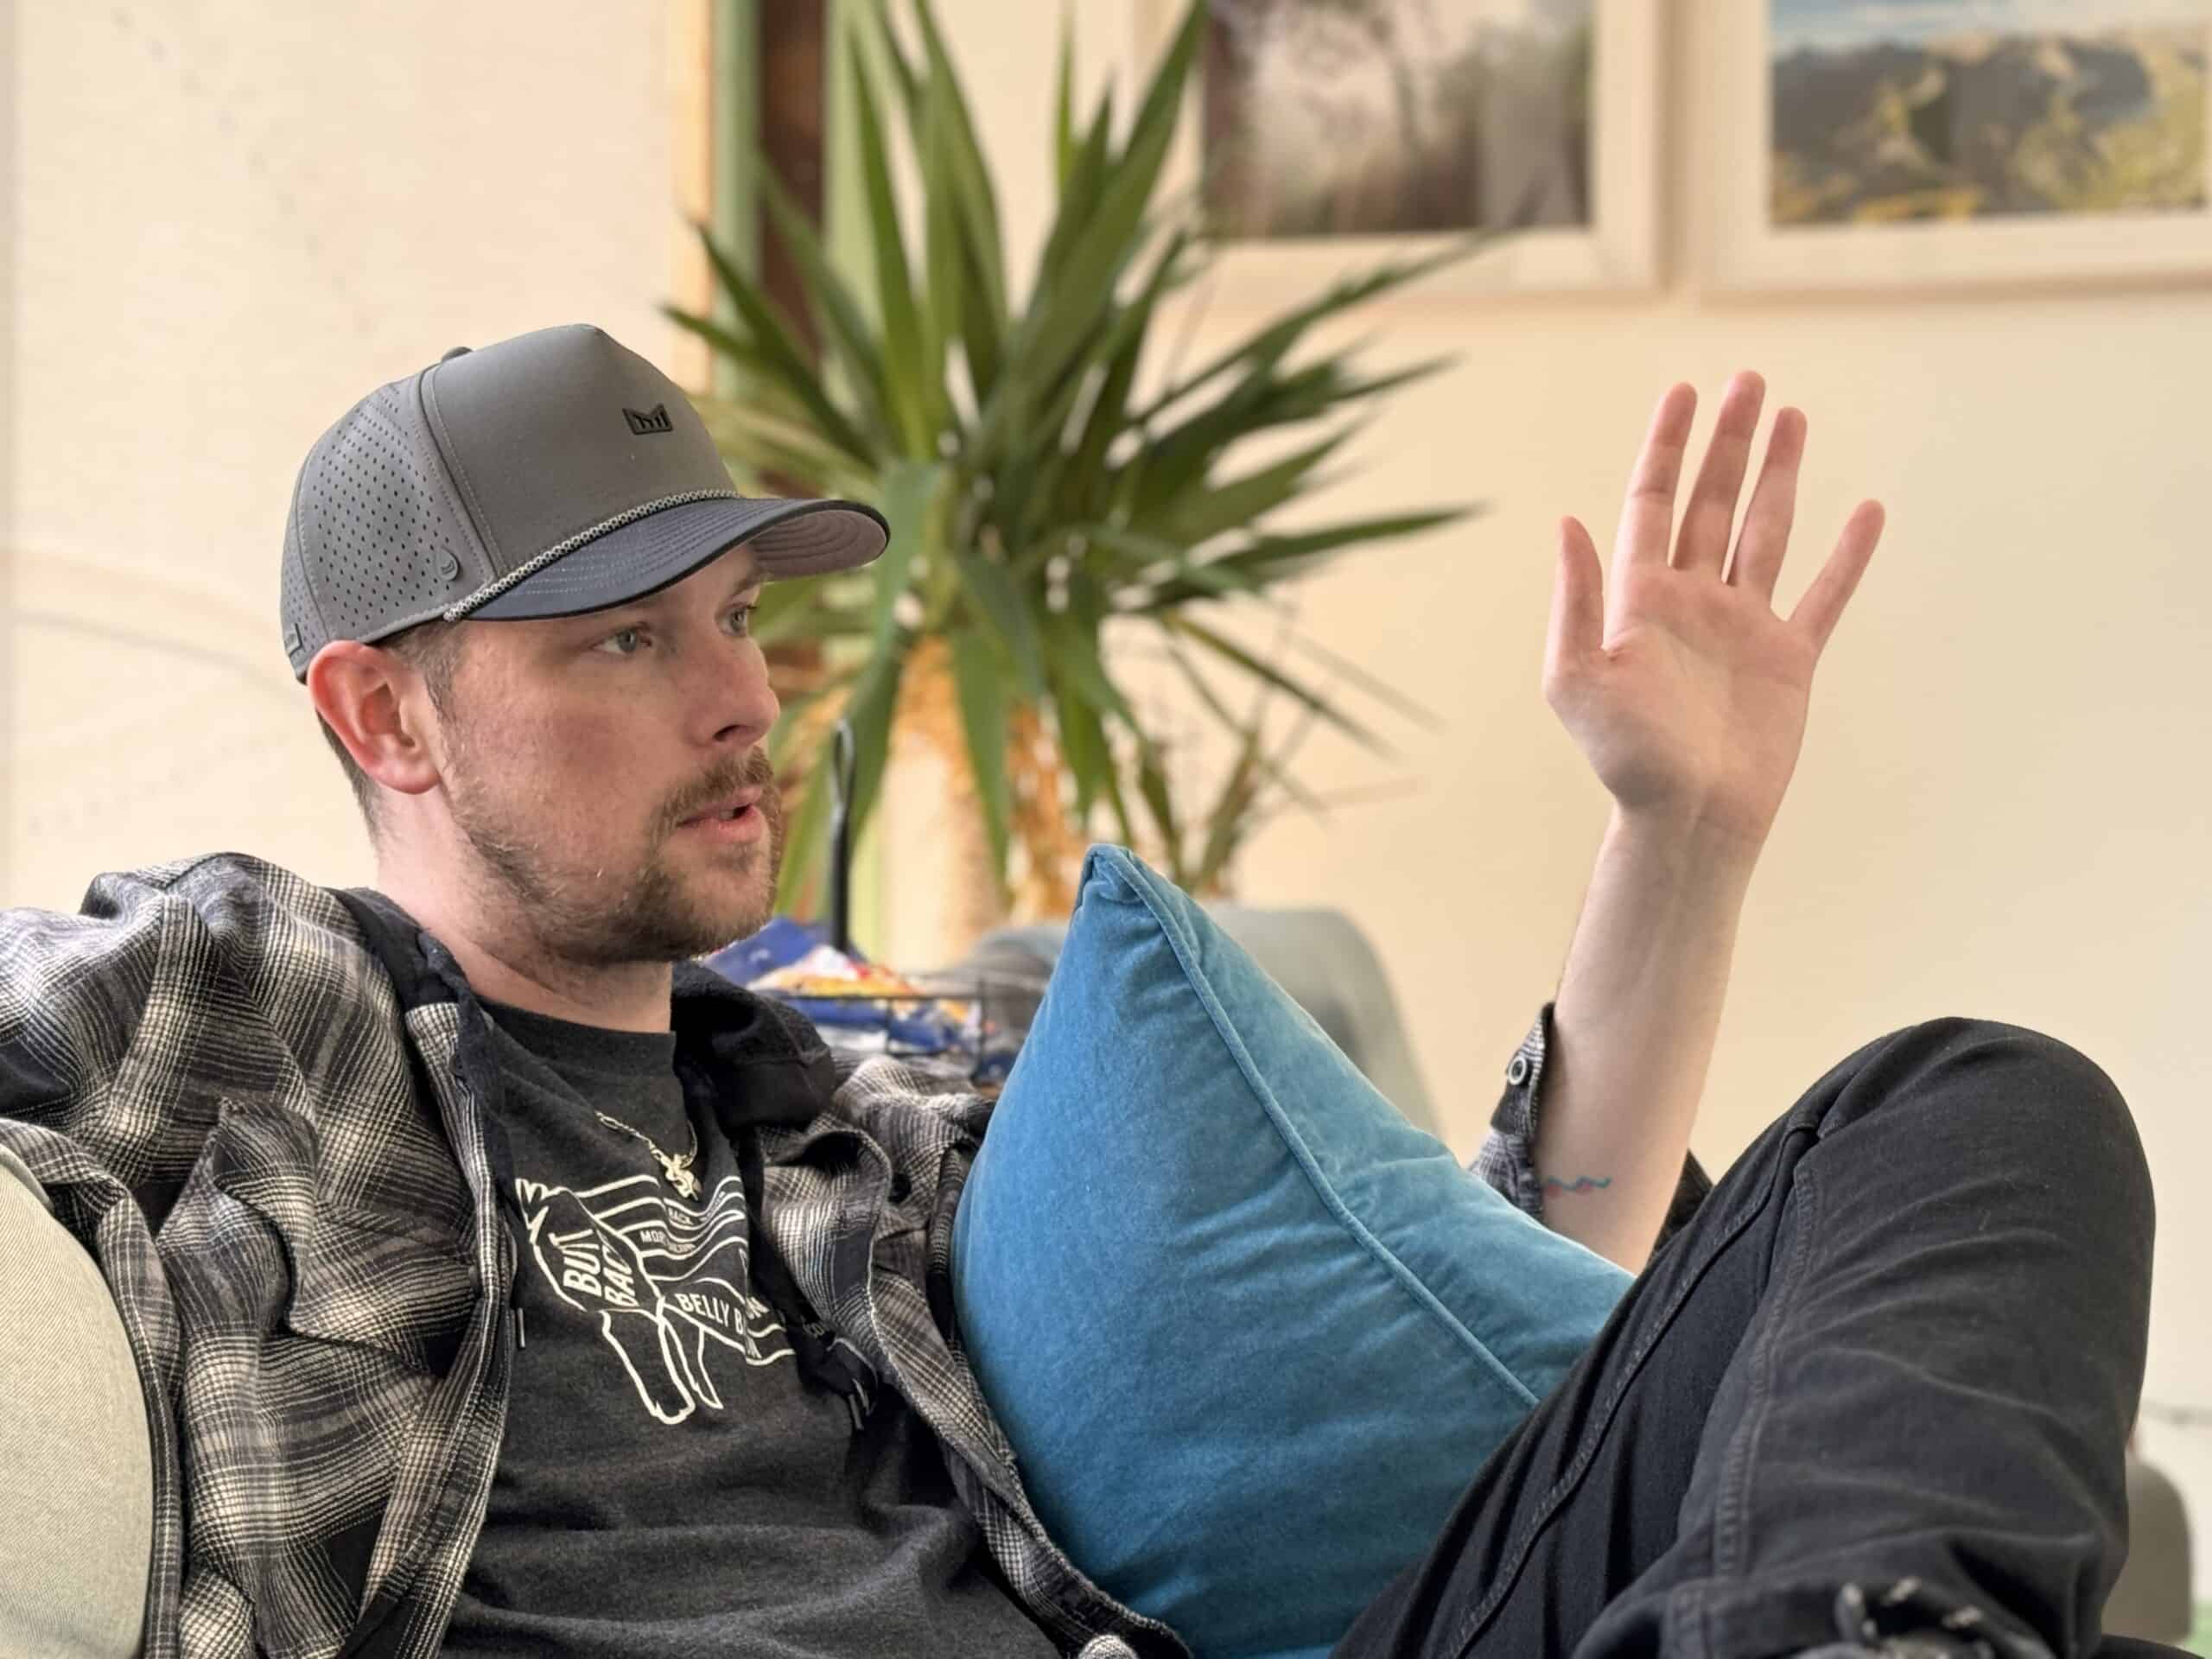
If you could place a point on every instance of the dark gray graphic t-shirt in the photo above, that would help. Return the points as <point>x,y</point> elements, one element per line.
<point>673,1480</point>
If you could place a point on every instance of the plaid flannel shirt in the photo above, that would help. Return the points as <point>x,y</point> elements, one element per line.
<point>258,1103</point>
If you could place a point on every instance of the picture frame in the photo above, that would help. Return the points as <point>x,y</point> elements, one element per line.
<point>1618,252</point>
<point>1939,242</point>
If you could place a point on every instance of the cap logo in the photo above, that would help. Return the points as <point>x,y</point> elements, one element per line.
<point>448,566</point>
<point>657,421</point>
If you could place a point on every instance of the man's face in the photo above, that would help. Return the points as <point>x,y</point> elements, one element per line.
<point>580,753</point>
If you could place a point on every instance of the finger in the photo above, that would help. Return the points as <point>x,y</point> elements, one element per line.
<point>1710,519</point>
<point>1648,518</point>
<point>1767,522</point>
<point>1578,625</point>
<point>1822,606</point>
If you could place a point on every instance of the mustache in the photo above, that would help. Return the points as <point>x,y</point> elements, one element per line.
<point>754,771</point>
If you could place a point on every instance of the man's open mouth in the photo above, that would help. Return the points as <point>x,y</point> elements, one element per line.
<point>726,812</point>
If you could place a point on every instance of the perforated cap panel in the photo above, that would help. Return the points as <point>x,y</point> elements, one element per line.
<point>375,542</point>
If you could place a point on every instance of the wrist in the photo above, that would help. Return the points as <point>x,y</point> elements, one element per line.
<point>1693,850</point>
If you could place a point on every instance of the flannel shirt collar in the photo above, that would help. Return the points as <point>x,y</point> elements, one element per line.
<point>789,1072</point>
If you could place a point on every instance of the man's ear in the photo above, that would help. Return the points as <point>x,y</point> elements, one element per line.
<point>380,708</point>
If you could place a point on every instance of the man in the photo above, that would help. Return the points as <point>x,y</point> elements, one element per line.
<point>505,1282</point>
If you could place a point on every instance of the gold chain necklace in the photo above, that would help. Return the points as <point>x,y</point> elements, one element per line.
<point>677,1170</point>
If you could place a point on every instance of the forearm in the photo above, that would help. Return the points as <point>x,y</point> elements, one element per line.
<point>1634,1025</point>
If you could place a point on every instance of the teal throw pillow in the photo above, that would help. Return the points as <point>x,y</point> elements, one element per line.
<point>1249,1331</point>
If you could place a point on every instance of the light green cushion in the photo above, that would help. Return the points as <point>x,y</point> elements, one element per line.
<point>76,1464</point>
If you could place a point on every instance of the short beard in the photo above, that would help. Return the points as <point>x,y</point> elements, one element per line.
<point>642,916</point>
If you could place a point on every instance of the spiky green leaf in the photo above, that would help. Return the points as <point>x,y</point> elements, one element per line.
<point>844,325</point>
<point>767,348</point>
<point>1266,560</point>
<point>1084,281</point>
<point>1272,340</point>
<point>1228,648</point>
<point>1063,104</point>
<point>914,389</point>
<point>909,498</point>
<point>1200,514</point>
<point>970,173</point>
<point>1006,608</point>
<point>980,681</point>
<point>869,712</point>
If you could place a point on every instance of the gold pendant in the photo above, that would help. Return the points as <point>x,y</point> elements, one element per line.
<point>678,1171</point>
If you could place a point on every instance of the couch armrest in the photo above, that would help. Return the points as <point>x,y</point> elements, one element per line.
<point>2152,1596</point>
<point>76,1463</point>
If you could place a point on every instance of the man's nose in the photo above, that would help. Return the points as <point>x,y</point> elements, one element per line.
<point>745,703</point>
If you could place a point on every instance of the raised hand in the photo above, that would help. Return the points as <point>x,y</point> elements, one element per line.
<point>1681,685</point>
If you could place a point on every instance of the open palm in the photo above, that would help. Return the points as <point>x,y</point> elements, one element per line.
<point>1682,688</point>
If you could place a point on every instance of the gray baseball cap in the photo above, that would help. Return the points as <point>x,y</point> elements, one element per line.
<point>554,473</point>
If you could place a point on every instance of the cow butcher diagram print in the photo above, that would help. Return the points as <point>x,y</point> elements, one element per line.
<point>668,1283</point>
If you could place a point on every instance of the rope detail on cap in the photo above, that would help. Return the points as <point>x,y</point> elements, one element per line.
<point>492,590</point>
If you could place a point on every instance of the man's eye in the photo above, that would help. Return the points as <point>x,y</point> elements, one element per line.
<point>615,639</point>
<point>743,617</point>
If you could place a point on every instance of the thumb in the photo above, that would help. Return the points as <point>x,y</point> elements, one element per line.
<point>1578,625</point>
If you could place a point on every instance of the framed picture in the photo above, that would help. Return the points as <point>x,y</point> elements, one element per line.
<point>1330,135</point>
<point>1870,143</point>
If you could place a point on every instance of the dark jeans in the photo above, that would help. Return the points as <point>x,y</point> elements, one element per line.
<point>1892,1361</point>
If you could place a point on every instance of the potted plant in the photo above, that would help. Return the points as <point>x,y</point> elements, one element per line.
<point>1047,501</point>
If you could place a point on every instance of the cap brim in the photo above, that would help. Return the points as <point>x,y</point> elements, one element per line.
<point>789,538</point>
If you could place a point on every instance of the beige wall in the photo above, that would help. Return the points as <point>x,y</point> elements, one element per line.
<point>2005,805</point>
<point>236,217</point>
